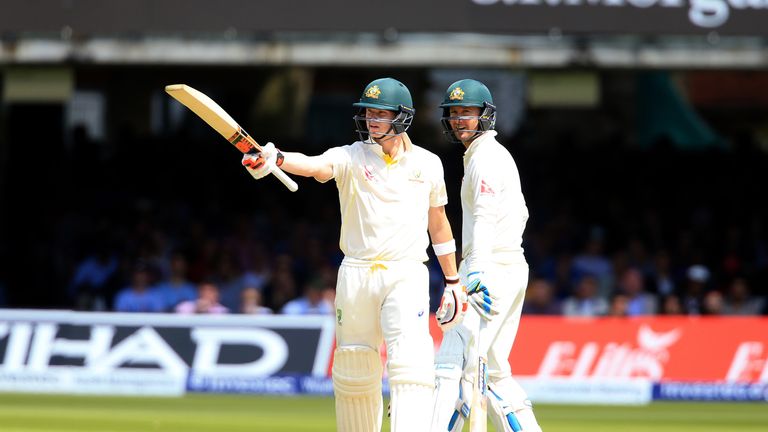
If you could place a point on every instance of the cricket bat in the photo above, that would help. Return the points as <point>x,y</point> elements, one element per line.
<point>223,123</point>
<point>478,417</point>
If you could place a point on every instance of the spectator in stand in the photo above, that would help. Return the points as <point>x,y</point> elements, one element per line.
<point>95,279</point>
<point>661,278</point>
<point>639,302</point>
<point>176,288</point>
<point>713,303</point>
<point>258,272</point>
<point>585,301</point>
<point>311,303</point>
<point>203,252</point>
<point>282,286</point>
<point>329,294</point>
<point>251,304</point>
<point>230,280</point>
<point>207,301</point>
<point>692,298</point>
<point>670,305</point>
<point>619,305</point>
<point>739,300</point>
<point>593,261</point>
<point>540,298</point>
<point>637,256</point>
<point>138,295</point>
<point>558,269</point>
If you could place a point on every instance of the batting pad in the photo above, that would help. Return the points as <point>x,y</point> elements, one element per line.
<point>447,401</point>
<point>357,375</point>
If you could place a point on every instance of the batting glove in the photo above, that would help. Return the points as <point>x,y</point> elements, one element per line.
<point>480,297</point>
<point>453,305</point>
<point>260,164</point>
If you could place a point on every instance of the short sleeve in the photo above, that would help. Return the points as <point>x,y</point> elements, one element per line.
<point>438,196</point>
<point>340,158</point>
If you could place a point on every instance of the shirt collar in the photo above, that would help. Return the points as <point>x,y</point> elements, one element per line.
<point>407,146</point>
<point>485,136</point>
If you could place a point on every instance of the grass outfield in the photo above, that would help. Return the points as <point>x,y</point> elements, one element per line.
<point>229,413</point>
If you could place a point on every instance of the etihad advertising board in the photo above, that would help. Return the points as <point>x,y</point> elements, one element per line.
<point>557,359</point>
<point>113,353</point>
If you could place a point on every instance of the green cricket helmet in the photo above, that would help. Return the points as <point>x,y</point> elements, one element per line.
<point>385,94</point>
<point>471,93</point>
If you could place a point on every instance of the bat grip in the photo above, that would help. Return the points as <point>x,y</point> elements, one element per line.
<point>283,177</point>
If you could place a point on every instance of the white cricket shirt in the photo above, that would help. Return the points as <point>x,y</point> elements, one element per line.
<point>494,213</point>
<point>384,202</point>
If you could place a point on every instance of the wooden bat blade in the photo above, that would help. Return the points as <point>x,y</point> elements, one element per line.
<point>205,108</point>
<point>213,114</point>
<point>478,418</point>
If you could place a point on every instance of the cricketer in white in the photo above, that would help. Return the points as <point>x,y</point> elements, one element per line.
<point>391,193</point>
<point>493,268</point>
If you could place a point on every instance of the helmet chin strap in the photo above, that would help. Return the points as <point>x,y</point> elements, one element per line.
<point>476,136</point>
<point>386,136</point>
<point>471,139</point>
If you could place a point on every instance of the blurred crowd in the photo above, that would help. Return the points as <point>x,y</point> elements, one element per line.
<point>611,233</point>
<point>236,272</point>
<point>223,267</point>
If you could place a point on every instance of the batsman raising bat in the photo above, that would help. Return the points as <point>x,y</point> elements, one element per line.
<point>391,193</point>
<point>493,269</point>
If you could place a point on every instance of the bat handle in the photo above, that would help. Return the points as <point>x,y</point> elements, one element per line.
<point>283,177</point>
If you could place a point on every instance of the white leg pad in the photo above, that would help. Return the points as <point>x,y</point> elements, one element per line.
<point>447,392</point>
<point>357,374</point>
<point>528,420</point>
<point>511,410</point>
<point>411,397</point>
<point>454,389</point>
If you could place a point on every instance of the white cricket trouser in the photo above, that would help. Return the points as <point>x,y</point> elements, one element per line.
<point>389,301</point>
<point>508,283</point>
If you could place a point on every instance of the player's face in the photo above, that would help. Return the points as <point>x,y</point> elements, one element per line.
<point>464,128</point>
<point>379,122</point>
<point>208,293</point>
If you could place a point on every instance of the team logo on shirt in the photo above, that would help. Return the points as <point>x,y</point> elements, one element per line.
<point>416,176</point>
<point>457,94</point>
<point>368,172</point>
<point>373,92</point>
<point>486,189</point>
<point>338,316</point>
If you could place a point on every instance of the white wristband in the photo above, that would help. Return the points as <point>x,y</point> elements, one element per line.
<point>444,248</point>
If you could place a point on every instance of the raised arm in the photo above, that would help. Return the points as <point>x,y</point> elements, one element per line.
<point>308,166</point>
<point>261,164</point>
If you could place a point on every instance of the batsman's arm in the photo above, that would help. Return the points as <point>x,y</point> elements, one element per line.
<point>484,215</point>
<point>319,167</point>
<point>440,232</point>
<point>453,303</point>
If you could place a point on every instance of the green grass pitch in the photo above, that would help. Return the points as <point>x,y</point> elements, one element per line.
<point>232,413</point>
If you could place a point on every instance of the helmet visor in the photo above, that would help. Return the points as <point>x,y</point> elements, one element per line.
<point>460,128</point>
<point>382,126</point>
